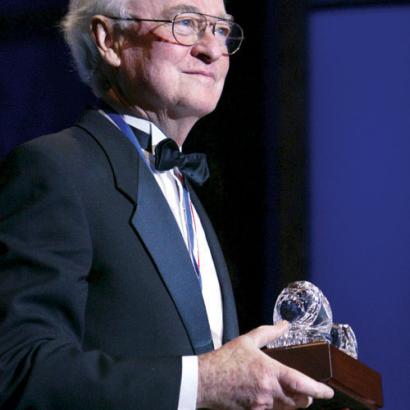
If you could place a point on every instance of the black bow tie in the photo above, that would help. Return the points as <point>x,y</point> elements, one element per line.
<point>192,166</point>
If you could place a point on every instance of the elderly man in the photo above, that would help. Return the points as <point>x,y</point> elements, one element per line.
<point>113,289</point>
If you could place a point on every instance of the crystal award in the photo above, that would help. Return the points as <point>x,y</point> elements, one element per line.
<point>323,350</point>
<point>307,310</point>
<point>343,337</point>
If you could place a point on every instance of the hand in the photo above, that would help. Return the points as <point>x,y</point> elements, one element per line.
<point>240,376</point>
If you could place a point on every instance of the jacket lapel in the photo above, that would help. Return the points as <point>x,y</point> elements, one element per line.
<point>155,224</point>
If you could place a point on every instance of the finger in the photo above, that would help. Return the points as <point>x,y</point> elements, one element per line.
<point>294,401</point>
<point>294,381</point>
<point>299,401</point>
<point>265,334</point>
<point>302,401</point>
<point>286,400</point>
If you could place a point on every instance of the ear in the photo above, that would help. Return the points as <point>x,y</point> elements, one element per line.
<point>103,35</point>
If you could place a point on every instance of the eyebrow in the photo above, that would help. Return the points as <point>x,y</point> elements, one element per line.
<point>188,8</point>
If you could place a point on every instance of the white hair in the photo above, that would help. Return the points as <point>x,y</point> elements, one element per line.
<point>77,34</point>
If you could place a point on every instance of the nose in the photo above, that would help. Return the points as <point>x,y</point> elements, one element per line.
<point>208,47</point>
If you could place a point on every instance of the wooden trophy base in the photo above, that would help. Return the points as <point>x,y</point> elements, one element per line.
<point>356,386</point>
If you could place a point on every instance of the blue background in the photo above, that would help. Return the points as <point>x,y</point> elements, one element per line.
<point>360,181</point>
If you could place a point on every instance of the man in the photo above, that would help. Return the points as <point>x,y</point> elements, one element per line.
<point>113,289</point>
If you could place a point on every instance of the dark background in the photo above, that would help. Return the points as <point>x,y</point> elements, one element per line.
<point>309,151</point>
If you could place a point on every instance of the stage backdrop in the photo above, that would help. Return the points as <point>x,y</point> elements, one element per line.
<point>360,180</point>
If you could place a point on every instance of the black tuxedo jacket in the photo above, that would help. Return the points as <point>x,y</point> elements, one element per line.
<point>98,296</point>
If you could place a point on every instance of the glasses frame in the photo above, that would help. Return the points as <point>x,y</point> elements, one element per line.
<point>199,34</point>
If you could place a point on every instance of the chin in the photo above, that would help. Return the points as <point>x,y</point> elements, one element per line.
<point>194,109</point>
<point>201,102</point>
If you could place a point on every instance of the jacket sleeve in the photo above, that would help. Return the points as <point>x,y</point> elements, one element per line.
<point>45,257</point>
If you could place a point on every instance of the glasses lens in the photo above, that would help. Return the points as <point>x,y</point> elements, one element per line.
<point>234,39</point>
<point>229,34</point>
<point>187,26</point>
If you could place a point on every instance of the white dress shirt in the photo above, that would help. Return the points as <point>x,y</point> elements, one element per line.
<point>171,187</point>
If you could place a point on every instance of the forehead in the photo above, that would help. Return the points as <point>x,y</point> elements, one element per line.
<point>166,8</point>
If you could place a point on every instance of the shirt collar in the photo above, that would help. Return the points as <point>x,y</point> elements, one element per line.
<point>148,127</point>
<point>141,124</point>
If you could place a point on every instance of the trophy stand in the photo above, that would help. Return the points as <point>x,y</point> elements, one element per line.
<point>356,386</point>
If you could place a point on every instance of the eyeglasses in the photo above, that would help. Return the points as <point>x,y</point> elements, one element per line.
<point>189,28</point>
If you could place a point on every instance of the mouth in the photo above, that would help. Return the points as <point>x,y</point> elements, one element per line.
<point>201,73</point>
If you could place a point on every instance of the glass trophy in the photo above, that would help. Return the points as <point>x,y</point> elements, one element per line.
<point>343,337</point>
<point>308,311</point>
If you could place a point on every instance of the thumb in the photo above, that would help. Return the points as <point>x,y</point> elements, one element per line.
<point>262,335</point>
